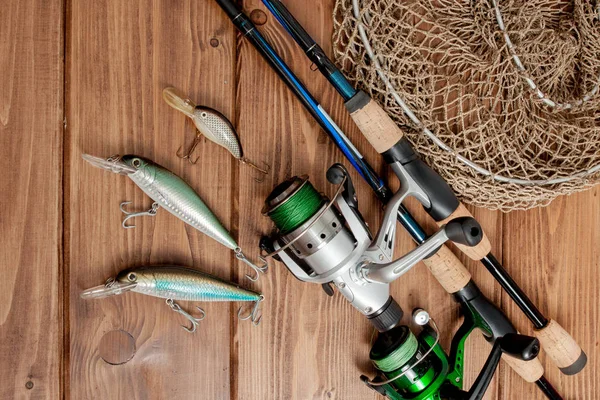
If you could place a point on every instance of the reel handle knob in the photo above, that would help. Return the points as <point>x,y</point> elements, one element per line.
<point>465,231</point>
<point>523,347</point>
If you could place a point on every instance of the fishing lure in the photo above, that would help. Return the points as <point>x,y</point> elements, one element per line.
<point>210,123</point>
<point>173,194</point>
<point>178,283</point>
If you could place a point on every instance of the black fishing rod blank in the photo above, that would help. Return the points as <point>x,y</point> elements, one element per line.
<point>559,345</point>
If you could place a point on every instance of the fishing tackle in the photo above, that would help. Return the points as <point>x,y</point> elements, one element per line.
<point>440,201</point>
<point>212,124</point>
<point>327,242</point>
<point>417,368</point>
<point>444,265</point>
<point>173,194</point>
<point>178,283</point>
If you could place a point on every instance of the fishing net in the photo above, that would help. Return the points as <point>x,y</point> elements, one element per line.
<point>508,86</point>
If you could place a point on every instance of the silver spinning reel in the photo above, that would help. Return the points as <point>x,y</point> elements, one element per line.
<point>335,246</point>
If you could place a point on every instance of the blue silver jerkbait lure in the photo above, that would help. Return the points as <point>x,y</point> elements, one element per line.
<point>178,283</point>
<point>173,194</point>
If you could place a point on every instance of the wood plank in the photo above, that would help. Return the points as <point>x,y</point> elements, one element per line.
<point>121,55</point>
<point>553,253</point>
<point>312,346</point>
<point>31,138</point>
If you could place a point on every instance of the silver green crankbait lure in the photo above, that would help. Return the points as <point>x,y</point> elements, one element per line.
<point>178,283</point>
<point>210,123</point>
<point>173,194</point>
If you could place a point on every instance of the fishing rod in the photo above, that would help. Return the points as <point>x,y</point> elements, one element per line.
<point>443,264</point>
<point>389,140</point>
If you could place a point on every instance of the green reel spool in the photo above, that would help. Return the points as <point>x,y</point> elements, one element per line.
<point>395,351</point>
<point>292,203</point>
<point>399,352</point>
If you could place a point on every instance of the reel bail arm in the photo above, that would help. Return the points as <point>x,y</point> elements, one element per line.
<point>464,230</point>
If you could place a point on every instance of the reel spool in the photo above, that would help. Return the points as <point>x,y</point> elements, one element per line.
<point>410,367</point>
<point>310,229</point>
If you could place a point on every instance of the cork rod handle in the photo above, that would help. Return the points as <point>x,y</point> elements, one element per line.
<point>531,370</point>
<point>562,349</point>
<point>374,123</point>
<point>448,270</point>
<point>453,276</point>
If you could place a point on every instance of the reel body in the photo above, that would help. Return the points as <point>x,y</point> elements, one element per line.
<point>330,243</point>
<point>417,368</point>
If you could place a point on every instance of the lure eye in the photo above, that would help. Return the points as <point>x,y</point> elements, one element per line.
<point>204,114</point>
<point>132,276</point>
<point>136,162</point>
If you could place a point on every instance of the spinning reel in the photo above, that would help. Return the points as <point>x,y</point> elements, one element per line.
<point>328,242</point>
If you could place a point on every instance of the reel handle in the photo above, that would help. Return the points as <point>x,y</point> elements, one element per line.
<point>476,252</point>
<point>453,276</point>
<point>525,347</point>
<point>335,175</point>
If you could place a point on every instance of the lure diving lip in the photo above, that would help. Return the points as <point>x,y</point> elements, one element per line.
<point>173,194</point>
<point>172,282</point>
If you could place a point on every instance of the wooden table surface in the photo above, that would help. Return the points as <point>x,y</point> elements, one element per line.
<point>86,77</point>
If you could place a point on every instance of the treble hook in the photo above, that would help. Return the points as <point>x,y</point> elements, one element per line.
<point>188,155</point>
<point>263,268</point>
<point>194,320</point>
<point>253,316</point>
<point>265,170</point>
<point>151,212</point>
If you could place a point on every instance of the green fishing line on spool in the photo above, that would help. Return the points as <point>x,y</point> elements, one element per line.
<point>301,205</point>
<point>400,356</point>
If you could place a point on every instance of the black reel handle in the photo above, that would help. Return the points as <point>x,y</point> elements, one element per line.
<point>516,345</point>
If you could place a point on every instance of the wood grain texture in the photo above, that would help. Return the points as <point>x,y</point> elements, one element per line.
<point>554,254</point>
<point>31,143</point>
<point>121,56</point>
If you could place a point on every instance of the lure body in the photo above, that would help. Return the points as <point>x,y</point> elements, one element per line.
<point>211,123</point>
<point>173,194</point>
<point>170,191</point>
<point>177,197</point>
<point>180,283</point>
<point>218,129</point>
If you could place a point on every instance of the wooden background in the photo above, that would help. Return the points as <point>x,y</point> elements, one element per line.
<point>86,76</point>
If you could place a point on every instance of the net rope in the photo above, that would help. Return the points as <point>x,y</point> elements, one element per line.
<point>446,69</point>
